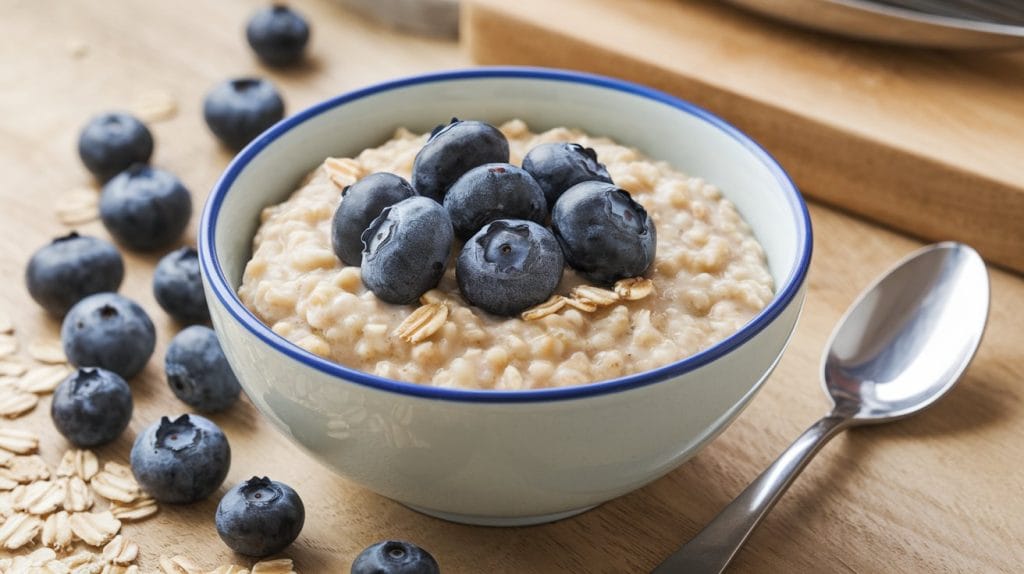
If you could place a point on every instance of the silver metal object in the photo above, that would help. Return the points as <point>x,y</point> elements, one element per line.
<point>899,348</point>
<point>895,21</point>
<point>426,17</point>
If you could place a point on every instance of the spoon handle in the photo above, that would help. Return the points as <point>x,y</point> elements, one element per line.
<point>711,550</point>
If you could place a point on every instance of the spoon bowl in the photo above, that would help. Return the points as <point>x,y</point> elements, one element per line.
<point>900,347</point>
<point>907,339</point>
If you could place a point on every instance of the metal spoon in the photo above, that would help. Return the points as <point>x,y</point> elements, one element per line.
<point>900,347</point>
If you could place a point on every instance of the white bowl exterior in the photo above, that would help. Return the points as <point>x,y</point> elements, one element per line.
<point>481,460</point>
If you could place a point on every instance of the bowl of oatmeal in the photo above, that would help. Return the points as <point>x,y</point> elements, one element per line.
<point>517,418</point>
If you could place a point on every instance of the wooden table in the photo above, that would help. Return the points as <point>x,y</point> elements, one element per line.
<point>941,492</point>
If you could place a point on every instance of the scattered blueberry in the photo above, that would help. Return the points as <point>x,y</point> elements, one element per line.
<point>110,143</point>
<point>178,286</point>
<point>493,191</point>
<point>91,407</point>
<point>278,35</point>
<point>145,208</point>
<point>604,234</point>
<point>71,267</point>
<point>198,372</point>
<point>453,150</point>
<point>361,203</point>
<point>405,250</point>
<point>558,166</point>
<point>509,266</point>
<point>181,461</point>
<point>260,517</point>
<point>238,110</point>
<point>395,557</point>
<point>108,331</point>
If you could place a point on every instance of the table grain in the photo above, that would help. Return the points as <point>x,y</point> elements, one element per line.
<point>939,493</point>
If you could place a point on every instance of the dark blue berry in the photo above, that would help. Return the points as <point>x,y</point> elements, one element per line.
<point>604,234</point>
<point>395,557</point>
<point>278,35</point>
<point>145,208</point>
<point>71,267</point>
<point>110,143</point>
<point>493,191</point>
<point>405,250</point>
<point>178,286</point>
<point>181,461</point>
<point>453,150</point>
<point>558,166</point>
<point>108,331</point>
<point>361,203</point>
<point>198,372</point>
<point>238,110</point>
<point>260,517</point>
<point>91,407</point>
<point>509,266</point>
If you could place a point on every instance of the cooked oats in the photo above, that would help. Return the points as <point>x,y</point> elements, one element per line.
<point>709,278</point>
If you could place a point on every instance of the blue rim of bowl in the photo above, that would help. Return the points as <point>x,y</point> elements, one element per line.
<point>226,295</point>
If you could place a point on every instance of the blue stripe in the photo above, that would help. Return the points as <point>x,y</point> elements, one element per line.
<point>227,296</point>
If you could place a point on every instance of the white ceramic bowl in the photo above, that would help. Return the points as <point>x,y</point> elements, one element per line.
<point>501,457</point>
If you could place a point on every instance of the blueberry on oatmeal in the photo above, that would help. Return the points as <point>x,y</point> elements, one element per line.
<point>451,151</point>
<point>182,460</point>
<point>509,266</point>
<point>71,267</point>
<point>405,250</point>
<point>493,191</point>
<point>361,203</point>
<point>557,166</point>
<point>604,234</point>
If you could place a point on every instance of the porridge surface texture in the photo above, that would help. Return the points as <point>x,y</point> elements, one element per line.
<point>709,274</point>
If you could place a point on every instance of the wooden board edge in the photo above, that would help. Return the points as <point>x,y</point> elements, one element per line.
<point>926,198</point>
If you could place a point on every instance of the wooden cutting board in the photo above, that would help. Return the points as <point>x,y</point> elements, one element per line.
<point>927,142</point>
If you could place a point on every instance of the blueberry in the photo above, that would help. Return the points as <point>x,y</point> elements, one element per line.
<point>493,191</point>
<point>91,407</point>
<point>71,267</point>
<point>278,35</point>
<point>558,166</point>
<point>145,208</point>
<point>509,266</point>
<point>260,517</point>
<point>604,234</point>
<point>110,143</point>
<point>178,286</point>
<point>453,150</point>
<point>108,331</point>
<point>238,110</point>
<point>405,250</point>
<point>395,557</point>
<point>198,372</point>
<point>361,203</point>
<point>181,461</point>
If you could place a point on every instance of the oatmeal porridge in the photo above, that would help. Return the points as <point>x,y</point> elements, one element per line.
<point>709,278</point>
